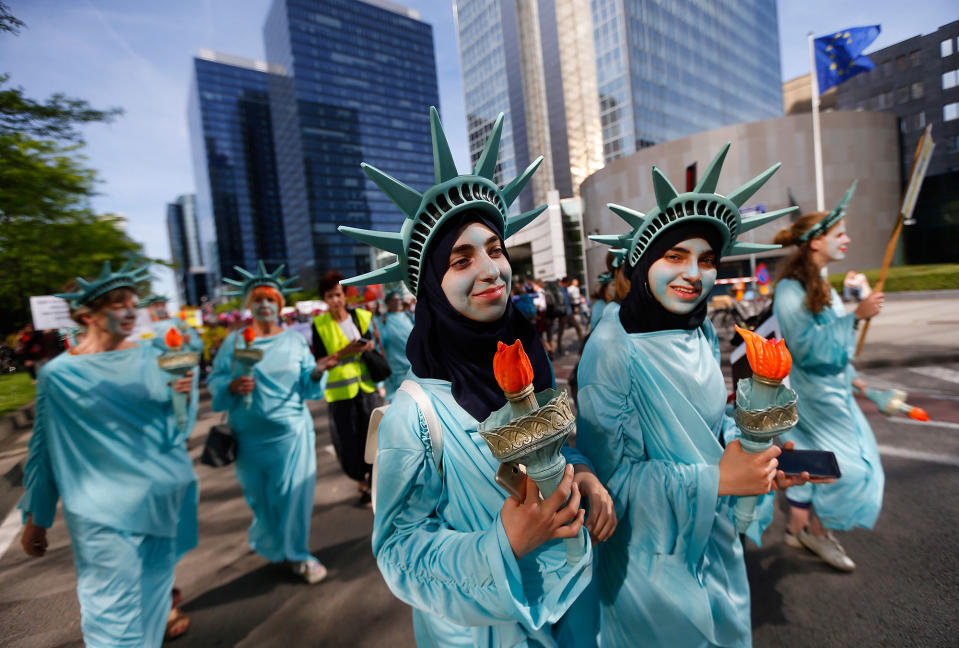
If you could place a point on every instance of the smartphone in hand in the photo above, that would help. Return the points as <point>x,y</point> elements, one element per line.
<point>511,477</point>
<point>818,463</point>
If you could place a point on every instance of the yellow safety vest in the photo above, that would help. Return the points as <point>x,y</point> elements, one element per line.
<point>345,380</point>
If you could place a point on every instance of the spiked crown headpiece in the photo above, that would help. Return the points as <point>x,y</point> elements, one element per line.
<point>261,278</point>
<point>832,217</point>
<point>452,194</point>
<point>125,277</point>
<point>700,204</point>
<point>152,299</point>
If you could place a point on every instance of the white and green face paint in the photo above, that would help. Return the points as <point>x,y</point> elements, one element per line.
<point>684,276</point>
<point>836,241</point>
<point>478,277</point>
<point>120,319</point>
<point>264,310</point>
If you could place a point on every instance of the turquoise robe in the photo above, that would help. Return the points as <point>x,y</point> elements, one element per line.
<point>105,441</point>
<point>594,316</point>
<point>829,418</point>
<point>276,440</point>
<point>651,417</point>
<point>441,547</point>
<point>160,328</point>
<point>394,333</point>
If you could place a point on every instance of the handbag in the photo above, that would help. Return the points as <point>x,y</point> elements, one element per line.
<point>220,447</point>
<point>376,364</point>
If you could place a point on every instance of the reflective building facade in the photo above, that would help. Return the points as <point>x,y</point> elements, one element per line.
<point>239,214</point>
<point>190,274</point>
<point>359,78</point>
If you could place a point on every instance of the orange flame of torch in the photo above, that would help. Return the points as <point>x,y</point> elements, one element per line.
<point>249,335</point>
<point>918,414</point>
<point>173,339</point>
<point>511,367</point>
<point>767,358</point>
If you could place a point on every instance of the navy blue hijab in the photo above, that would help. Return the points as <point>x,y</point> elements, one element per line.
<point>447,345</point>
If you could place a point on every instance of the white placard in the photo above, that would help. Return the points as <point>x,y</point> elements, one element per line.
<point>143,328</point>
<point>50,312</point>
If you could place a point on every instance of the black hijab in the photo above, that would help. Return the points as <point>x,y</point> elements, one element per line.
<point>641,312</point>
<point>447,345</point>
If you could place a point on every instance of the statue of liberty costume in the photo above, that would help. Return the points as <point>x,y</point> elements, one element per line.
<point>276,441</point>
<point>652,420</point>
<point>822,346</point>
<point>437,535</point>
<point>161,326</point>
<point>394,332</point>
<point>105,441</point>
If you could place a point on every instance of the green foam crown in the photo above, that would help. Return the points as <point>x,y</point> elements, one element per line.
<point>125,277</point>
<point>833,217</point>
<point>426,212</point>
<point>250,281</point>
<point>700,204</point>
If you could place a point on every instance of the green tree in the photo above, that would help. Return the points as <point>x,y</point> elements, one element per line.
<point>49,232</point>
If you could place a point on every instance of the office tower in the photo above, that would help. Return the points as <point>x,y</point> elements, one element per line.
<point>918,81</point>
<point>189,271</point>
<point>359,78</point>
<point>239,213</point>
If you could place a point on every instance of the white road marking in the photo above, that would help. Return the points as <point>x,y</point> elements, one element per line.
<point>938,424</point>
<point>918,455</point>
<point>9,530</point>
<point>949,375</point>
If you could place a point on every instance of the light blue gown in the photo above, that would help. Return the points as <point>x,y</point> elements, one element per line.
<point>394,333</point>
<point>276,441</point>
<point>594,316</point>
<point>105,442</point>
<point>441,547</point>
<point>651,415</point>
<point>829,418</point>
<point>160,328</point>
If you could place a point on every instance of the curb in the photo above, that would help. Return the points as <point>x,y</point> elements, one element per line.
<point>907,361</point>
<point>904,295</point>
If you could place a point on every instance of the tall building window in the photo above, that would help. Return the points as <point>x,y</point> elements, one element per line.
<point>916,58</point>
<point>917,90</point>
<point>945,47</point>
<point>950,111</point>
<point>952,144</point>
<point>887,68</point>
<point>902,94</point>
<point>950,79</point>
<point>901,62</point>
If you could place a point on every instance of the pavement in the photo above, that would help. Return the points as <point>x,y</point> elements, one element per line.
<point>905,592</point>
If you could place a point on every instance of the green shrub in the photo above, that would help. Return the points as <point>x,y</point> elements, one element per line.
<point>943,276</point>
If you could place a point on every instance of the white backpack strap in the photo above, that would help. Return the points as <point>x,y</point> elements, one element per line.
<point>433,426</point>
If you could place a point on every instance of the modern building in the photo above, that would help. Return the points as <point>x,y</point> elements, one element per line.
<point>584,82</point>
<point>918,81</point>
<point>189,271</point>
<point>359,77</point>
<point>239,214</point>
<point>863,146</point>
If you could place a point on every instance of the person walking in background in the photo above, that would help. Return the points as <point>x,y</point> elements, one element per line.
<point>820,335</point>
<point>106,441</point>
<point>275,439</point>
<point>568,317</point>
<point>340,336</point>
<point>855,286</point>
<point>397,324</point>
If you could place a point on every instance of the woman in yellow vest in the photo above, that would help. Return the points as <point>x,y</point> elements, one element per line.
<point>340,336</point>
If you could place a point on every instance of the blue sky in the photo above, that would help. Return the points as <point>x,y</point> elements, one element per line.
<point>137,55</point>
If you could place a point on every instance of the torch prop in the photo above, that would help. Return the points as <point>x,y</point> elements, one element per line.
<point>177,363</point>
<point>247,357</point>
<point>531,428</point>
<point>765,407</point>
<point>892,401</point>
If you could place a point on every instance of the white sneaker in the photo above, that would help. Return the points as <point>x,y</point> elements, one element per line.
<point>312,570</point>
<point>828,548</point>
<point>791,541</point>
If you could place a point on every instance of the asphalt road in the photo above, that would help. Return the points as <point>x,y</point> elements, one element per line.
<point>905,591</point>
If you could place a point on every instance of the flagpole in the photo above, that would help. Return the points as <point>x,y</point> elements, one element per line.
<point>816,129</point>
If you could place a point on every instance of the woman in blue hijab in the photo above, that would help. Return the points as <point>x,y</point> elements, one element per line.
<point>106,442</point>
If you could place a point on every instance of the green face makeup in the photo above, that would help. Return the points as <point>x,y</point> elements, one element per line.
<point>836,242</point>
<point>477,280</point>
<point>264,310</point>
<point>684,276</point>
<point>120,321</point>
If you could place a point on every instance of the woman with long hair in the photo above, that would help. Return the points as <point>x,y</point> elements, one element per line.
<point>106,442</point>
<point>652,401</point>
<point>820,335</point>
<point>479,568</point>
<point>275,438</point>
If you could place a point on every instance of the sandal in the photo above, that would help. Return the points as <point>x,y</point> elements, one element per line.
<point>177,625</point>
<point>177,597</point>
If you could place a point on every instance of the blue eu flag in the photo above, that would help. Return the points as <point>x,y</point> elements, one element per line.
<point>839,56</point>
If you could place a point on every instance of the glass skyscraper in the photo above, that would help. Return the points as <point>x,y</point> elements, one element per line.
<point>190,273</point>
<point>239,215</point>
<point>670,69</point>
<point>359,79</point>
